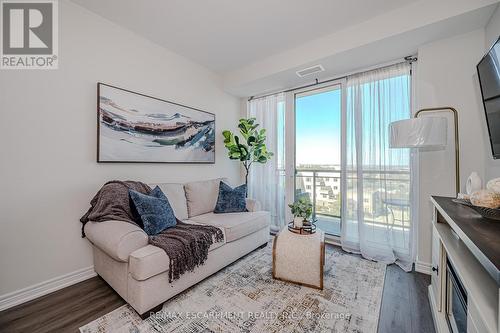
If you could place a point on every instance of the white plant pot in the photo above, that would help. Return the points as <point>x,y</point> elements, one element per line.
<point>297,222</point>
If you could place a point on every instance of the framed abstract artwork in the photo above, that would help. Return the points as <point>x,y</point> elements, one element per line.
<point>135,128</point>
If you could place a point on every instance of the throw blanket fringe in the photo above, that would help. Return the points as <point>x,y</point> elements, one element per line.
<point>186,245</point>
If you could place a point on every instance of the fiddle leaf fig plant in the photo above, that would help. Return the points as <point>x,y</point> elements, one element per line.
<point>250,148</point>
<point>302,208</point>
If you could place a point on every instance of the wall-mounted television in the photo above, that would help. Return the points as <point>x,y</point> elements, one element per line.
<point>488,71</point>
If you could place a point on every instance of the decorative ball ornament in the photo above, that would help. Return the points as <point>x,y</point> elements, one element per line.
<point>494,185</point>
<point>485,198</point>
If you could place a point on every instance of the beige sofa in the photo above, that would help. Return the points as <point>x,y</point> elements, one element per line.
<point>139,271</point>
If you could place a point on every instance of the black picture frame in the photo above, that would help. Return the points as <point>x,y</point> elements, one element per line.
<point>191,109</point>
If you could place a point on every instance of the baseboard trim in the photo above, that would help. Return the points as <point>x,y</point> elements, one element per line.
<point>333,240</point>
<point>423,267</point>
<point>43,288</point>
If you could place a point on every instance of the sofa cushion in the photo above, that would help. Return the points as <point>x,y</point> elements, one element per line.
<point>177,198</point>
<point>236,225</point>
<point>154,210</point>
<point>202,196</point>
<point>151,260</point>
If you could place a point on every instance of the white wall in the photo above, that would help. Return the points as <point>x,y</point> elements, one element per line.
<point>492,30</point>
<point>446,76</point>
<point>48,140</point>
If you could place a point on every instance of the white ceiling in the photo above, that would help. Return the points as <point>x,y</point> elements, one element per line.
<point>386,38</point>
<point>224,35</point>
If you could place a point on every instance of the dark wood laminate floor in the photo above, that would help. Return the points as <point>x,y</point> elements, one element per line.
<point>405,307</point>
<point>65,310</point>
<point>405,304</point>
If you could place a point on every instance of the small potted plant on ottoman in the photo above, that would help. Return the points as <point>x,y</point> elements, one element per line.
<point>299,255</point>
<point>302,211</point>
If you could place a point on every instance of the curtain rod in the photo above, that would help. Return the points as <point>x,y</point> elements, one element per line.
<point>407,59</point>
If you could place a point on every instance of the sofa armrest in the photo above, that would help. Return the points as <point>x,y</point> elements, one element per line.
<point>116,238</point>
<point>253,205</point>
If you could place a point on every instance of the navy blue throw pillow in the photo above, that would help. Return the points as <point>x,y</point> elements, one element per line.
<point>231,200</point>
<point>154,210</point>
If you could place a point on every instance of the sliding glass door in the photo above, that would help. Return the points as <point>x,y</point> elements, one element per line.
<point>331,143</point>
<point>318,114</point>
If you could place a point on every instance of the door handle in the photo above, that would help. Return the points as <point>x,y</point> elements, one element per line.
<point>435,269</point>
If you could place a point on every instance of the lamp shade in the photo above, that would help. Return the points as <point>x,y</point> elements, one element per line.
<point>418,132</point>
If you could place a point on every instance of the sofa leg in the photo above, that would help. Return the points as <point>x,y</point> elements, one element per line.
<point>146,314</point>
<point>262,246</point>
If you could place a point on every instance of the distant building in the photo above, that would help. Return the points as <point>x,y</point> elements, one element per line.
<point>322,184</point>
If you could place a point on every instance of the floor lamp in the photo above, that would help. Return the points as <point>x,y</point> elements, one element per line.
<point>426,132</point>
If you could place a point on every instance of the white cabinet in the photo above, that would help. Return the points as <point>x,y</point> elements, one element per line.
<point>450,243</point>
<point>438,269</point>
<point>474,323</point>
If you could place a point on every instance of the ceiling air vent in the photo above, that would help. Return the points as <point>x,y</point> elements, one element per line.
<point>310,70</point>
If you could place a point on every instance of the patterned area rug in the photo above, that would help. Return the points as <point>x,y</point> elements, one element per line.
<point>243,297</point>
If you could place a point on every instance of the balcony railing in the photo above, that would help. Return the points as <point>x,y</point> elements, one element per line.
<point>385,195</point>
<point>322,187</point>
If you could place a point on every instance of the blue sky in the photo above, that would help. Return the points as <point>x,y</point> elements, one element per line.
<point>318,124</point>
<point>318,128</point>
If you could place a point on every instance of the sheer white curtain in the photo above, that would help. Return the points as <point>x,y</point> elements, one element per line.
<point>377,181</point>
<point>266,182</point>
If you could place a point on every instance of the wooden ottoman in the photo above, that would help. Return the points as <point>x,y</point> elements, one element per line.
<point>299,258</point>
